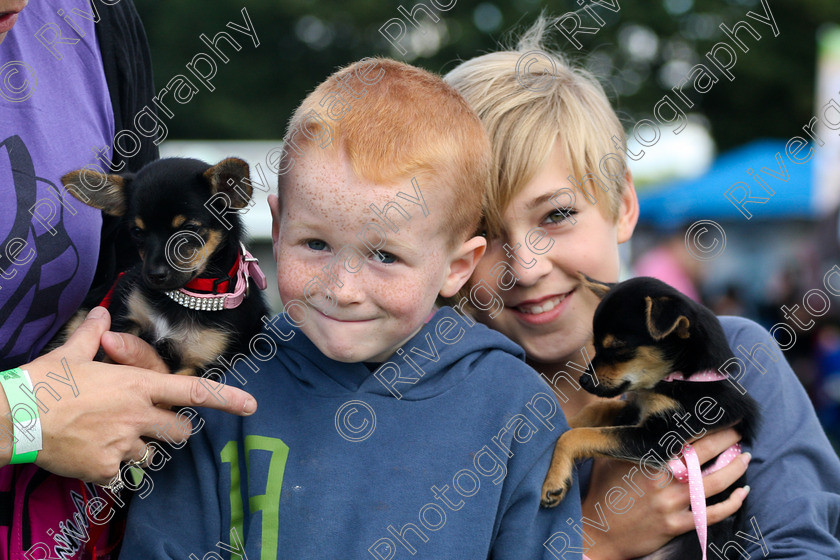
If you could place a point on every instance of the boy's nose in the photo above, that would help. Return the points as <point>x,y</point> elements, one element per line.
<point>352,292</point>
<point>351,289</point>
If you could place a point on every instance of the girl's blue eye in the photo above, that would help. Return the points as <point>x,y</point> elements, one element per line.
<point>316,245</point>
<point>384,258</point>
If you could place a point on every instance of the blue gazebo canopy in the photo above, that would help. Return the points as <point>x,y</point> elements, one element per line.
<point>674,203</point>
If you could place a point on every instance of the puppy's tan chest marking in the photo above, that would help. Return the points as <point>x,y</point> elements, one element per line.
<point>200,346</point>
<point>196,345</point>
<point>651,403</point>
<point>140,312</point>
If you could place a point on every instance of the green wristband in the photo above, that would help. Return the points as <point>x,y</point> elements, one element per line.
<point>28,440</point>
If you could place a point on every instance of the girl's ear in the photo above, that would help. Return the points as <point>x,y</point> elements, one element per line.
<point>628,211</point>
<point>462,264</point>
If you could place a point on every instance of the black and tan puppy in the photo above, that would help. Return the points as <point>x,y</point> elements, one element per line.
<point>188,296</point>
<point>644,330</point>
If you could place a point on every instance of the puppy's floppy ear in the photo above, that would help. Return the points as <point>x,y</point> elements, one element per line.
<point>105,192</point>
<point>663,317</point>
<point>600,289</point>
<point>232,177</point>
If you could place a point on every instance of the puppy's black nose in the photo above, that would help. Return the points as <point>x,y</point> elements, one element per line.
<point>158,275</point>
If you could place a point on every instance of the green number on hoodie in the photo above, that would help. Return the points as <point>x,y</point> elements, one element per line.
<point>269,502</point>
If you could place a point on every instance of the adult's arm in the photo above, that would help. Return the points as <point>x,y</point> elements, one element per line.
<point>96,412</point>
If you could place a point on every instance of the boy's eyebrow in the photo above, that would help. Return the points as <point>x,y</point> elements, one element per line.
<point>299,224</point>
<point>394,243</point>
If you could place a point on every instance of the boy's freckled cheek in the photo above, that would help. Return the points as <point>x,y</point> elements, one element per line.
<point>292,275</point>
<point>399,293</point>
<point>394,295</point>
<point>406,295</point>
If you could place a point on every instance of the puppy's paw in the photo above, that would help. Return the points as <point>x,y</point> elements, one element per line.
<point>552,498</point>
<point>558,481</point>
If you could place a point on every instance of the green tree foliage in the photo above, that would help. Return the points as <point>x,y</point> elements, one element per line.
<point>638,52</point>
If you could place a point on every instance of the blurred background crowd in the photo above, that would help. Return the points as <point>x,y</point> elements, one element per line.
<point>640,51</point>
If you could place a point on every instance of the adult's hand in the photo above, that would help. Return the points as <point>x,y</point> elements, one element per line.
<point>96,412</point>
<point>661,513</point>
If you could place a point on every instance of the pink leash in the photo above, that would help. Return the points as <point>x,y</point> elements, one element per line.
<point>694,477</point>
<point>690,472</point>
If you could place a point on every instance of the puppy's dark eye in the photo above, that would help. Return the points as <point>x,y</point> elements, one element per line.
<point>194,225</point>
<point>136,233</point>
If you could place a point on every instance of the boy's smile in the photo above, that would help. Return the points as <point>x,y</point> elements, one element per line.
<point>361,304</point>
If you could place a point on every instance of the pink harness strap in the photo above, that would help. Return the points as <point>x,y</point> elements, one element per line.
<point>699,376</point>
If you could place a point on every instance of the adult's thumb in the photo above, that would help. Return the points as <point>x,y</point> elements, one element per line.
<point>84,341</point>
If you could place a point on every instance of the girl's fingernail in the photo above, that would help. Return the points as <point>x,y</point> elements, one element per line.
<point>746,490</point>
<point>746,458</point>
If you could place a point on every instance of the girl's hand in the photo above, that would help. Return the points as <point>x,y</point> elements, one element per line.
<point>651,520</point>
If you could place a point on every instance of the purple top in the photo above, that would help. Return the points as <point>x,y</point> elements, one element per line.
<point>55,114</point>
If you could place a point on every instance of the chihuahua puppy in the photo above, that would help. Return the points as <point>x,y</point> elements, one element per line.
<point>663,351</point>
<point>188,295</point>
